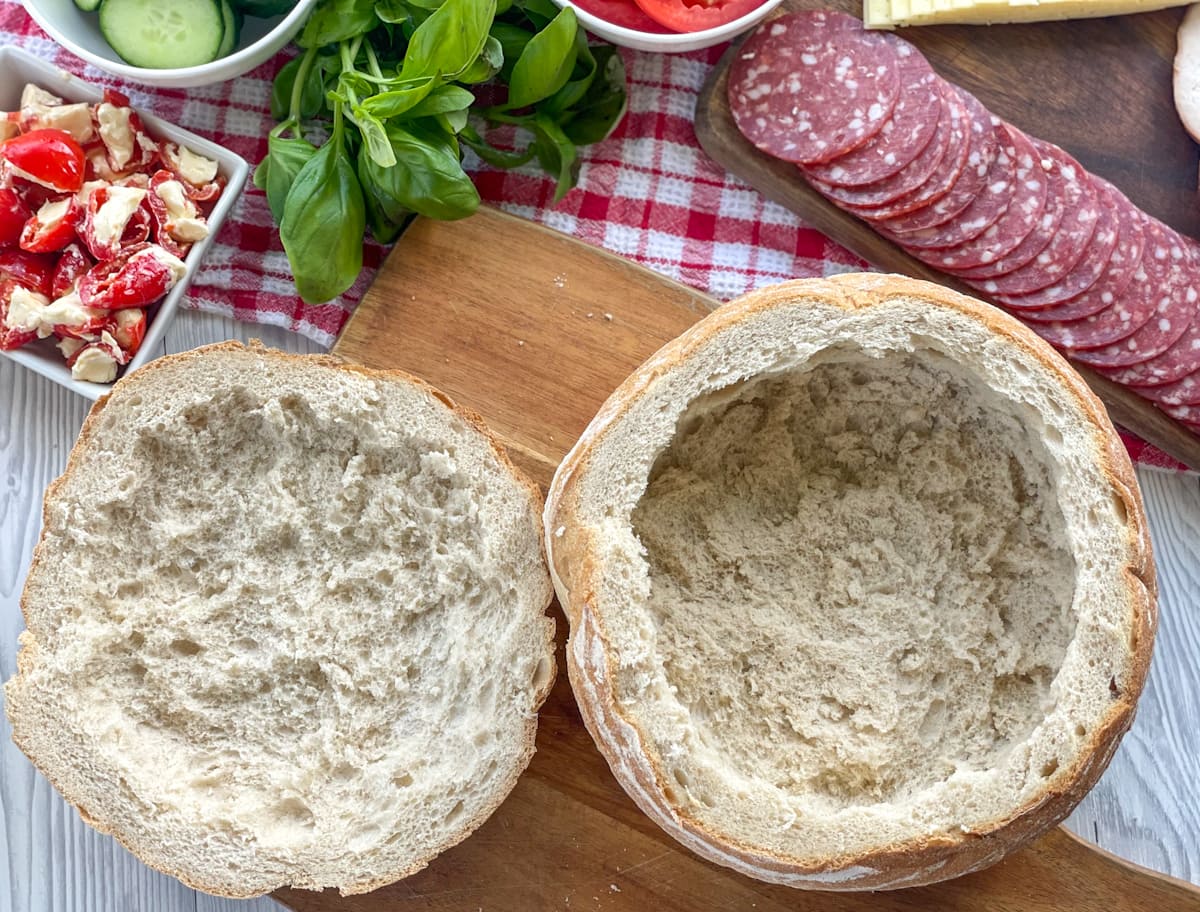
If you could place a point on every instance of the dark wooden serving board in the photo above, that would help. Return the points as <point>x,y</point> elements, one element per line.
<point>533,330</point>
<point>1100,88</point>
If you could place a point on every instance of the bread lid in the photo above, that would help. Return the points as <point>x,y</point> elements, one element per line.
<point>286,622</point>
<point>859,584</point>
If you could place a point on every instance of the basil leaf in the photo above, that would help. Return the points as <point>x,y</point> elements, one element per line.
<point>427,178</point>
<point>581,78</point>
<point>545,64</point>
<point>338,20</point>
<point>442,100</point>
<point>353,82</point>
<point>601,109</point>
<point>391,11</point>
<point>512,40</point>
<point>285,159</point>
<point>450,40</point>
<point>498,158</point>
<point>453,121</point>
<point>323,222</point>
<point>311,97</point>
<point>539,12</point>
<point>486,65</point>
<point>375,139</point>
<point>387,105</point>
<point>556,154</point>
<point>384,227</point>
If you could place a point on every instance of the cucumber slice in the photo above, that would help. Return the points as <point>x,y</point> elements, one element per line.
<point>265,8</point>
<point>233,29</point>
<point>88,6</point>
<point>163,34</point>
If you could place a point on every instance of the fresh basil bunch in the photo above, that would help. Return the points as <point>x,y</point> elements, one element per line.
<point>393,89</point>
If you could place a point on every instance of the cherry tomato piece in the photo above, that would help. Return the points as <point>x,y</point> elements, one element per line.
<point>111,213</point>
<point>10,338</point>
<point>73,262</point>
<point>52,227</point>
<point>13,216</point>
<point>137,278</point>
<point>31,270</point>
<point>128,327</point>
<point>47,157</point>
<point>685,16</point>
<point>624,13</point>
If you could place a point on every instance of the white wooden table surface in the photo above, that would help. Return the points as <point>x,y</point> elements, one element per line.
<point>1146,808</point>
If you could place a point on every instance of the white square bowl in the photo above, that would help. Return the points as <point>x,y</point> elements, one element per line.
<point>16,69</point>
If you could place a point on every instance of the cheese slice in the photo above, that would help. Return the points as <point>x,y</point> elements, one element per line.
<point>886,14</point>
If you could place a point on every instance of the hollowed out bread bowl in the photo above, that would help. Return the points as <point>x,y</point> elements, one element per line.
<point>286,622</point>
<point>859,584</point>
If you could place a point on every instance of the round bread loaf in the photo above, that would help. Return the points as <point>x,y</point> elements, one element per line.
<point>859,584</point>
<point>286,622</point>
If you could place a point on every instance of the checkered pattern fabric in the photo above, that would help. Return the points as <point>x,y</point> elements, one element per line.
<point>647,193</point>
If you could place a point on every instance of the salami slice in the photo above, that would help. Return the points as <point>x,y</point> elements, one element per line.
<point>1179,361</point>
<point>981,151</point>
<point>1173,291</point>
<point>1129,311</point>
<point>1188,414</point>
<point>1125,259</point>
<point>808,87</point>
<point>1185,391</point>
<point>1020,217</point>
<point>1068,244</point>
<point>992,201</point>
<point>940,180</point>
<point>907,132</point>
<point>1086,273</point>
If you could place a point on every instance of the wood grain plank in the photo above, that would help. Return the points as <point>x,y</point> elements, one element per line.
<point>1031,75</point>
<point>527,328</point>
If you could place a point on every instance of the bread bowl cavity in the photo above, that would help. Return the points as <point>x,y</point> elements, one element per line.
<point>859,584</point>
<point>286,622</point>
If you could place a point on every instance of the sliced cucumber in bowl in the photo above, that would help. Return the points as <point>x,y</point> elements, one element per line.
<point>164,34</point>
<point>232,17</point>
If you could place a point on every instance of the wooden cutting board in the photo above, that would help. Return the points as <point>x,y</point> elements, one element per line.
<point>1100,88</point>
<point>533,330</point>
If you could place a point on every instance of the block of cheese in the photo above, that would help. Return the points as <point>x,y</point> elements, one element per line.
<point>886,14</point>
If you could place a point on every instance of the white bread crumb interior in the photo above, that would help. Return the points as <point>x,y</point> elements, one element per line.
<point>846,581</point>
<point>286,623</point>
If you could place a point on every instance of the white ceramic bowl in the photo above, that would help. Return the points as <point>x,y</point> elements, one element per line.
<point>79,33</point>
<point>674,43</point>
<point>18,68</point>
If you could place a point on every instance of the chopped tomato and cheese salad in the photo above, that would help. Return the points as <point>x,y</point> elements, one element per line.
<point>96,217</point>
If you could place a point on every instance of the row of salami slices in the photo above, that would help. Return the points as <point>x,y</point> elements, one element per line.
<point>876,131</point>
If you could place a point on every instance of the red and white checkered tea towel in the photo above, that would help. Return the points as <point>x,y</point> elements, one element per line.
<point>647,193</point>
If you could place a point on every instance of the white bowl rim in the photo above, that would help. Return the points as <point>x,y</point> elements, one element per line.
<point>120,67</point>
<point>595,23</point>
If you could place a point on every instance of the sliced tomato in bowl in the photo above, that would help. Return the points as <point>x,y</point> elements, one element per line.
<point>696,15</point>
<point>623,13</point>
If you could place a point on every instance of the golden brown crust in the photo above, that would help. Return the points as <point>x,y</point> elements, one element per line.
<point>591,667</point>
<point>150,855</point>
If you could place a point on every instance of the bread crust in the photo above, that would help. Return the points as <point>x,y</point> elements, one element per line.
<point>591,665</point>
<point>26,658</point>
